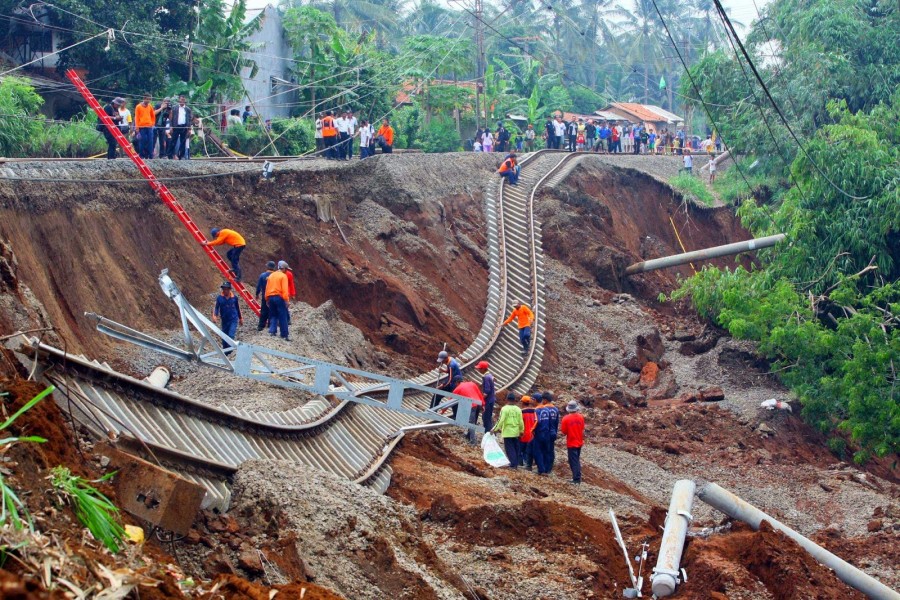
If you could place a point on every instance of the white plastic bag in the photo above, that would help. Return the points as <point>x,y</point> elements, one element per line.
<point>493,454</point>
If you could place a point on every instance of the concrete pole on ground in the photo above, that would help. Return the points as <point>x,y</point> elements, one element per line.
<point>736,508</point>
<point>666,574</point>
<point>705,254</point>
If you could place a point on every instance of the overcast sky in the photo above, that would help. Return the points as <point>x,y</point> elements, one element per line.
<point>739,10</point>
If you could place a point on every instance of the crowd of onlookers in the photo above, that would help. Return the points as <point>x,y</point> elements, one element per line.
<point>593,135</point>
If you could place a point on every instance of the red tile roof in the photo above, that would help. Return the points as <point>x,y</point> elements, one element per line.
<point>639,111</point>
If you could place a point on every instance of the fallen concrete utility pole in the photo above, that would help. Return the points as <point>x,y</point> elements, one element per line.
<point>667,573</point>
<point>736,508</point>
<point>706,253</point>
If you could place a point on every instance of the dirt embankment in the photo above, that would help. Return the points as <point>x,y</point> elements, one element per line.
<point>412,275</point>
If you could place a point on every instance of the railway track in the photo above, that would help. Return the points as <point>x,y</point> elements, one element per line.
<point>208,444</point>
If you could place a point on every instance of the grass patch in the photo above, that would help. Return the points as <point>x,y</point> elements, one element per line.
<point>692,188</point>
<point>93,509</point>
<point>732,188</point>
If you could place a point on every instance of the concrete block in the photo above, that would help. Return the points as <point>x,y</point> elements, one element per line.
<point>153,493</point>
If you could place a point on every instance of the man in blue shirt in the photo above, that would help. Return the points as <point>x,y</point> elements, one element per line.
<point>261,289</point>
<point>489,389</point>
<point>450,377</point>
<point>552,431</point>
<point>227,312</point>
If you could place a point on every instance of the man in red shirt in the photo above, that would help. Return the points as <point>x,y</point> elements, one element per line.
<point>572,426</point>
<point>471,390</point>
<point>529,417</point>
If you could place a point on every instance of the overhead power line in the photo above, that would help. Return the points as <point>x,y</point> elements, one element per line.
<point>784,120</point>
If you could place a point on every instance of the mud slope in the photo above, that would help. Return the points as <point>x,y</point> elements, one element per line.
<point>414,227</point>
<point>604,218</point>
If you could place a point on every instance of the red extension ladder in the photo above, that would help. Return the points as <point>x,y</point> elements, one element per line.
<point>162,191</point>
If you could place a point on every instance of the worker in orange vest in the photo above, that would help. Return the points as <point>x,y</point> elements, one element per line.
<point>509,169</point>
<point>329,136</point>
<point>385,137</point>
<point>525,319</point>
<point>237,243</point>
<point>277,295</point>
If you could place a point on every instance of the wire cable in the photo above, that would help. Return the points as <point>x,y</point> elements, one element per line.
<point>784,120</point>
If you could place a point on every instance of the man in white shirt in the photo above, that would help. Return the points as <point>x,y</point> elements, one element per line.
<point>343,127</point>
<point>366,137</point>
<point>352,124</point>
<point>559,132</point>
<point>320,141</point>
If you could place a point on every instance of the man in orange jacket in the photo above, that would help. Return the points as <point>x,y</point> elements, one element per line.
<point>510,169</point>
<point>525,319</point>
<point>529,417</point>
<point>277,295</point>
<point>329,136</point>
<point>386,133</point>
<point>233,239</point>
<point>144,121</point>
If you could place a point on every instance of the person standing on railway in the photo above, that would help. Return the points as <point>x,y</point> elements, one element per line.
<point>329,136</point>
<point>386,136</point>
<point>237,243</point>
<point>470,390</point>
<point>144,121</point>
<point>366,139</point>
<point>529,138</point>
<point>524,319</point>
<point>161,127</point>
<point>229,311</point>
<point>343,128</point>
<point>511,427</point>
<point>320,143</point>
<point>260,295</point>
<point>352,126</point>
<point>489,390</point>
<point>182,118</point>
<point>526,440</point>
<point>112,111</point>
<point>559,132</point>
<point>277,296</point>
<point>572,426</point>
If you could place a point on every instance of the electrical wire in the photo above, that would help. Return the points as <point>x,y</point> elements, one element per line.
<point>784,120</point>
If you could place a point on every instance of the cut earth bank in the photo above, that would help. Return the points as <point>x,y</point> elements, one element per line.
<point>412,277</point>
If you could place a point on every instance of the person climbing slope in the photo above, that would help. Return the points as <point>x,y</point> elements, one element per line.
<point>233,239</point>
<point>228,311</point>
<point>525,319</point>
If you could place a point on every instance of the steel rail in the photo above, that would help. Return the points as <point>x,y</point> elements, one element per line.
<point>347,431</point>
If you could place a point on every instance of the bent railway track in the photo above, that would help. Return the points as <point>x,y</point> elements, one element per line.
<point>207,444</point>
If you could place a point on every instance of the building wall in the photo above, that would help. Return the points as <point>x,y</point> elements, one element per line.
<point>273,59</point>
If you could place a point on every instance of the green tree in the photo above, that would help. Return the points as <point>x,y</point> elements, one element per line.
<point>136,61</point>
<point>221,46</point>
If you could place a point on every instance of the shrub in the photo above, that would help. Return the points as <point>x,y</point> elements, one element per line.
<point>440,136</point>
<point>292,137</point>
<point>93,509</point>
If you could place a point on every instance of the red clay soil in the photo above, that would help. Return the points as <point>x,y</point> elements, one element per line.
<point>101,250</point>
<point>609,218</point>
<point>743,556</point>
<point>230,587</point>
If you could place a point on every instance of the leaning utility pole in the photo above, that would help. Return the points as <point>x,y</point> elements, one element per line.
<point>480,62</point>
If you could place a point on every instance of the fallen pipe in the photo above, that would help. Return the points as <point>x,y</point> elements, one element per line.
<point>736,508</point>
<point>706,253</point>
<point>159,377</point>
<point>719,158</point>
<point>666,574</point>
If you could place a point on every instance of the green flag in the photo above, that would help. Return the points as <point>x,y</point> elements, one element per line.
<point>662,83</point>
